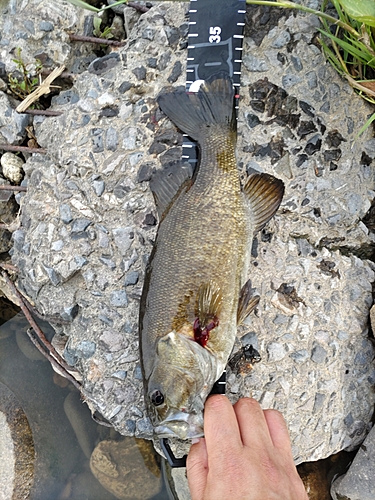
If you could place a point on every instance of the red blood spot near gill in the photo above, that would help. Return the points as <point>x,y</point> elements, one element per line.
<point>201,335</point>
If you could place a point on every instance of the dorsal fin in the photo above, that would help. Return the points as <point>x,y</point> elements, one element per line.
<point>264,193</point>
<point>166,183</point>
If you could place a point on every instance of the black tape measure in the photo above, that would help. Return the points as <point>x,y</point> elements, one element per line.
<point>214,44</point>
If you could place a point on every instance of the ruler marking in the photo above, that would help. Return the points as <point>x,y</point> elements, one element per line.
<point>193,10</point>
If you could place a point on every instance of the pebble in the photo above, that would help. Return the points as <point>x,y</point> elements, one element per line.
<point>131,278</point>
<point>123,237</point>
<point>318,354</point>
<point>119,298</point>
<point>65,213</point>
<point>12,167</point>
<point>80,225</point>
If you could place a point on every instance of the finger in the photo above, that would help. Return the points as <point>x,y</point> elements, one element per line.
<point>278,431</point>
<point>252,423</point>
<point>220,427</point>
<point>197,469</point>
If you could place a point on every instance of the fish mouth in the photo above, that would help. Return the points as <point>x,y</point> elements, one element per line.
<point>181,425</point>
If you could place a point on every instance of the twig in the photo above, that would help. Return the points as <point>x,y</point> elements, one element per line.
<point>23,149</point>
<point>94,39</point>
<point>33,324</point>
<point>52,360</point>
<point>43,112</point>
<point>44,88</point>
<point>6,187</point>
<point>9,267</point>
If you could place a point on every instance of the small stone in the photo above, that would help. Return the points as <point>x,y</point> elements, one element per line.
<point>306,128</point>
<point>108,262</point>
<point>57,246</point>
<point>12,167</point>
<point>332,155</point>
<point>70,312</point>
<point>140,72</point>
<point>290,80</point>
<point>99,187</point>
<point>111,139</point>
<point>119,298</point>
<point>252,63</point>
<point>52,275</point>
<point>66,97</point>
<point>46,26</point>
<point>120,374</point>
<point>297,64</point>
<point>80,225</point>
<point>123,237</point>
<point>252,120</point>
<point>313,145</point>
<point>318,354</point>
<point>65,213</point>
<point>144,172</point>
<point>131,278</point>
<point>175,73</point>
<point>86,349</point>
<point>276,351</point>
<point>282,40</point>
<point>300,356</point>
<point>124,87</point>
<point>103,64</point>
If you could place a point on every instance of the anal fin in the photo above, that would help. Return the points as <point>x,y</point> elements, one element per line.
<point>264,193</point>
<point>166,183</point>
<point>246,303</point>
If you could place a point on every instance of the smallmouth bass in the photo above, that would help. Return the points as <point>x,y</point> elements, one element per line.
<point>195,292</point>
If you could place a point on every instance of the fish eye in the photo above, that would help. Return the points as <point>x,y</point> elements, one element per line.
<point>157,398</point>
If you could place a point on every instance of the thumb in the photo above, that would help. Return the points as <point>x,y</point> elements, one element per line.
<point>197,469</point>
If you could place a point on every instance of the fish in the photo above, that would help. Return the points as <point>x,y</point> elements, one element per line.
<point>196,292</point>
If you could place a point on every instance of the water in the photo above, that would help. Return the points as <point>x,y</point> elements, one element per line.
<point>64,433</point>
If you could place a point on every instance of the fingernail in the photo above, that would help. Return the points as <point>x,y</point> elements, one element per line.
<point>195,440</point>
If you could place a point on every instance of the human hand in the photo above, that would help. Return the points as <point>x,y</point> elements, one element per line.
<point>245,455</point>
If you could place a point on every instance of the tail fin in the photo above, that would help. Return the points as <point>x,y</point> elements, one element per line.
<point>193,113</point>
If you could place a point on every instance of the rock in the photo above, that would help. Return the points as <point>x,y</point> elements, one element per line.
<point>27,348</point>
<point>310,264</point>
<point>358,482</point>
<point>17,454</point>
<point>113,463</point>
<point>314,478</point>
<point>78,415</point>
<point>13,125</point>
<point>12,166</point>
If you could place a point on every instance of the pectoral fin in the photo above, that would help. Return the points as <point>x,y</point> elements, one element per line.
<point>209,302</point>
<point>166,183</point>
<point>246,303</point>
<point>264,193</point>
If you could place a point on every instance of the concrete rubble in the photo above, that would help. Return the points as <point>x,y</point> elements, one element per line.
<point>88,220</point>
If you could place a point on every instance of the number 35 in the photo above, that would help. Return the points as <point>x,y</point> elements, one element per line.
<point>214,34</point>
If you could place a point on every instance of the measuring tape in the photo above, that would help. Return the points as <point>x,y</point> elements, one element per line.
<point>214,45</point>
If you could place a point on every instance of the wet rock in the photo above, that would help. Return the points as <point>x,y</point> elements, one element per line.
<point>357,483</point>
<point>306,302</point>
<point>16,448</point>
<point>113,463</point>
